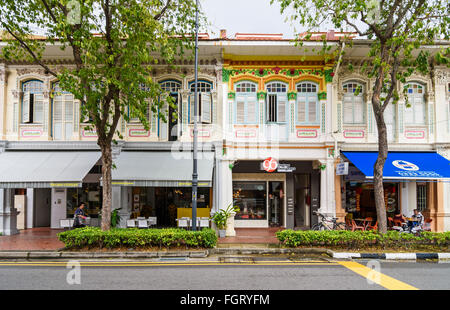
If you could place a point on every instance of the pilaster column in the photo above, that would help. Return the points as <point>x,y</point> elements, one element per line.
<point>8,214</point>
<point>2,101</point>
<point>225,191</point>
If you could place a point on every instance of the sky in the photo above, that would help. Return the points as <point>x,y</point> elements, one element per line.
<point>246,16</point>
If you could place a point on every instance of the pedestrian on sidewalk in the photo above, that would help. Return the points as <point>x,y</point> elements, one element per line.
<point>79,216</point>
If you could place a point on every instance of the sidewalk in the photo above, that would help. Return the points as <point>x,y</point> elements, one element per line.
<point>34,239</point>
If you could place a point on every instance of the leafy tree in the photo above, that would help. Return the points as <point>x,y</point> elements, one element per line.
<point>398,29</point>
<point>114,45</point>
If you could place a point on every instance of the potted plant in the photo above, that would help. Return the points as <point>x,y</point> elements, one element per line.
<point>220,218</point>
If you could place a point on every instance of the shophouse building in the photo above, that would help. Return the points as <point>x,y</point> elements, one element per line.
<point>275,121</point>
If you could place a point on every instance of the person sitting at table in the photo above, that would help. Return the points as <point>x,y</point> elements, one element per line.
<point>399,218</point>
<point>417,219</point>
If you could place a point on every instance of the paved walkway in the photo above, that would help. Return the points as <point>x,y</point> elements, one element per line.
<point>253,235</point>
<point>33,239</point>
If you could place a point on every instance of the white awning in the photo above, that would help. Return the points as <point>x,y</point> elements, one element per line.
<point>161,169</point>
<point>35,169</point>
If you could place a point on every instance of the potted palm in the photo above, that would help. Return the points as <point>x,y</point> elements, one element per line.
<point>221,217</point>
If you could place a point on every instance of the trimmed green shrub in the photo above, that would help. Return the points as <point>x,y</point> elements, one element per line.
<point>94,237</point>
<point>361,239</point>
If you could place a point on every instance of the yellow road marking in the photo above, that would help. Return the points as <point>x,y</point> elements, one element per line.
<point>140,264</point>
<point>377,277</point>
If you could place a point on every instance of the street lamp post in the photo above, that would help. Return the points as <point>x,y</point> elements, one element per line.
<point>194,173</point>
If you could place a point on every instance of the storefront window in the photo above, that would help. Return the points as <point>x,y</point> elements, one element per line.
<point>169,203</point>
<point>90,194</point>
<point>250,197</point>
<point>360,199</point>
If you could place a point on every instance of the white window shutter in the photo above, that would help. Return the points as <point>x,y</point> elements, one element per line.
<point>281,109</point>
<point>26,107</point>
<point>206,107</point>
<point>348,109</point>
<point>68,116</point>
<point>191,108</point>
<point>312,109</point>
<point>251,110</point>
<point>38,106</point>
<point>419,110</point>
<point>359,110</point>
<point>240,110</point>
<point>301,109</point>
<point>57,117</point>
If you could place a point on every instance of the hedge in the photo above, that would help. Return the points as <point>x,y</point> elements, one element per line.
<point>360,239</point>
<point>94,237</point>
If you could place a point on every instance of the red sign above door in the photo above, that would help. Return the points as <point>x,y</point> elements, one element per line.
<point>270,164</point>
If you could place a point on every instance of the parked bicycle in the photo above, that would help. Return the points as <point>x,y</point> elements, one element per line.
<point>327,223</point>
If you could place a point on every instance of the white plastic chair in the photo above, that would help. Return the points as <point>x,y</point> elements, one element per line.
<point>65,223</point>
<point>131,223</point>
<point>183,223</point>
<point>70,222</point>
<point>142,224</point>
<point>204,222</point>
<point>141,218</point>
<point>152,221</point>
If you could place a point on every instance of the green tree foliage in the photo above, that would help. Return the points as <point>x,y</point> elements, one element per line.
<point>397,30</point>
<point>114,45</point>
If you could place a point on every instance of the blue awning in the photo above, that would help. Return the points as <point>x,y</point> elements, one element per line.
<point>403,165</point>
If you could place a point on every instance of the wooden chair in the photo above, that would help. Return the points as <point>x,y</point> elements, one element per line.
<point>427,225</point>
<point>368,223</point>
<point>390,222</point>
<point>357,227</point>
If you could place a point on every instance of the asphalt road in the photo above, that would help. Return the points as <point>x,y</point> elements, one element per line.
<point>261,275</point>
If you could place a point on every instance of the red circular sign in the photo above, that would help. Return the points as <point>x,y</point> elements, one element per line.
<point>270,164</point>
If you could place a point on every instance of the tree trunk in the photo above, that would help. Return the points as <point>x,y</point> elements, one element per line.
<point>378,171</point>
<point>106,180</point>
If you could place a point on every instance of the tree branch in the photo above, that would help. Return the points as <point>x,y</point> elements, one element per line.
<point>158,16</point>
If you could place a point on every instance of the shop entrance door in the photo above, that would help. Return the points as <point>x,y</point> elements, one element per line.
<point>275,203</point>
<point>302,210</point>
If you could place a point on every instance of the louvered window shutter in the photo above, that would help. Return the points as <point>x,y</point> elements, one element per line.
<point>409,111</point>
<point>38,106</point>
<point>57,117</point>
<point>358,110</point>
<point>68,116</point>
<point>26,107</point>
<point>281,108</point>
<point>419,110</point>
<point>240,110</point>
<point>301,109</point>
<point>206,107</point>
<point>251,110</point>
<point>191,108</point>
<point>348,109</point>
<point>312,109</point>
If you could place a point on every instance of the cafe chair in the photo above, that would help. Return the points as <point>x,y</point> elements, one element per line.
<point>427,225</point>
<point>204,222</point>
<point>183,223</point>
<point>142,223</point>
<point>390,222</point>
<point>354,226</point>
<point>131,224</point>
<point>152,221</point>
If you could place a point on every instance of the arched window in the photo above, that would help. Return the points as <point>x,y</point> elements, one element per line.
<point>307,103</point>
<point>62,113</point>
<point>415,114</point>
<point>246,103</point>
<point>33,102</point>
<point>276,102</point>
<point>204,101</point>
<point>170,86</point>
<point>134,117</point>
<point>354,107</point>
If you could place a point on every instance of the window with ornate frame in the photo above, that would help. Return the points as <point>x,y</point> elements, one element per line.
<point>33,102</point>
<point>204,101</point>
<point>415,113</point>
<point>246,103</point>
<point>276,102</point>
<point>307,103</point>
<point>354,111</point>
<point>62,113</point>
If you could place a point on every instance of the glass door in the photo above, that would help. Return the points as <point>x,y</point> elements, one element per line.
<point>275,203</point>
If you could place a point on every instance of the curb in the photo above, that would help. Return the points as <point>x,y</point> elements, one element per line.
<point>94,255</point>
<point>269,251</point>
<point>392,256</point>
